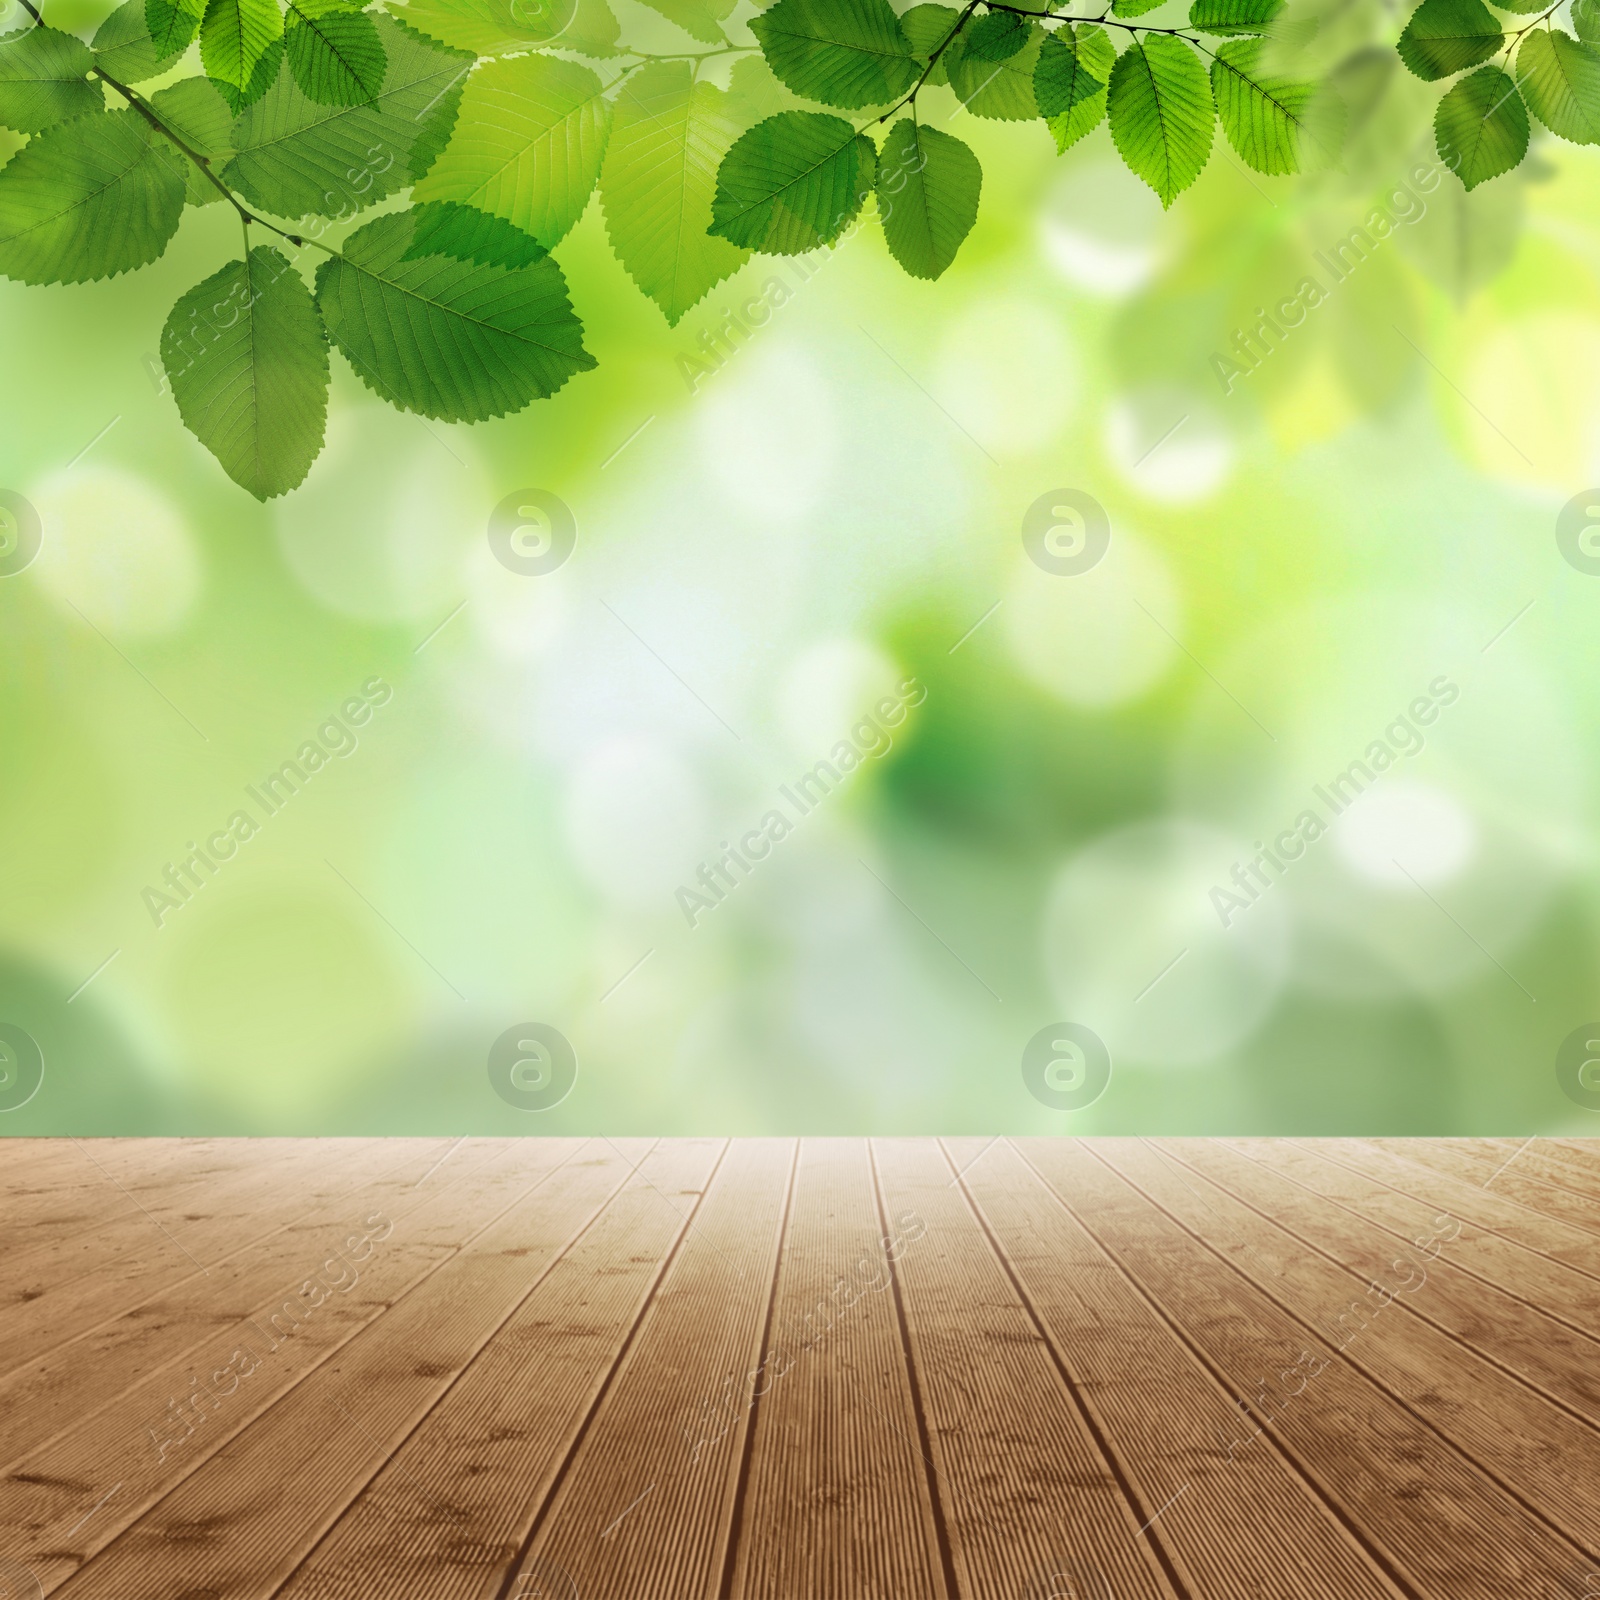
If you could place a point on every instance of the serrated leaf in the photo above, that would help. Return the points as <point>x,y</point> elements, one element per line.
<point>445,229</point>
<point>43,80</point>
<point>1226,17</point>
<point>928,187</point>
<point>1133,8</point>
<point>1070,81</point>
<point>999,90</point>
<point>297,158</point>
<point>124,48</point>
<point>456,340</point>
<point>197,113</point>
<point>1277,125</point>
<point>1444,37</point>
<point>930,27</point>
<point>670,135</point>
<point>1586,20</point>
<point>1161,113</point>
<point>995,36</point>
<point>527,145</point>
<point>592,31</point>
<point>240,42</point>
<point>248,363</point>
<point>1560,80</point>
<point>792,183</point>
<point>493,27</point>
<point>754,94</point>
<point>88,199</point>
<point>848,53</point>
<point>173,24</point>
<point>1481,127</point>
<point>336,56</point>
<point>701,18</point>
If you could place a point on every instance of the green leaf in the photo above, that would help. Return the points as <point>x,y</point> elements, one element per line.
<point>457,340</point>
<point>995,36</point>
<point>701,18</point>
<point>1560,80</point>
<point>123,46</point>
<point>1133,8</point>
<point>88,199</point>
<point>1586,20</point>
<point>1278,125</point>
<point>1233,16</point>
<point>241,42</point>
<point>43,80</point>
<point>172,24</point>
<point>528,144</point>
<point>248,363</point>
<point>446,229</point>
<point>660,174</point>
<point>1070,81</point>
<point>1000,90</point>
<point>848,53</point>
<point>297,158</point>
<point>1444,37</point>
<point>792,183</point>
<point>928,186</point>
<point>336,56</point>
<point>593,30</point>
<point>493,27</point>
<point>1481,127</point>
<point>195,110</point>
<point>754,94</point>
<point>927,27</point>
<point>1161,113</point>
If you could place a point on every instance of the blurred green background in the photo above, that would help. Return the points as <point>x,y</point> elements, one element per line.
<point>767,547</point>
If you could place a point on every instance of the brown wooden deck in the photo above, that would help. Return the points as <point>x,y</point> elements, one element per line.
<point>824,1370</point>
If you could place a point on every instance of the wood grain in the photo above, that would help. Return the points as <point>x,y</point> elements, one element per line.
<point>779,1369</point>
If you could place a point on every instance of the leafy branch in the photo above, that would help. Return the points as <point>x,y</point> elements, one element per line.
<point>491,120</point>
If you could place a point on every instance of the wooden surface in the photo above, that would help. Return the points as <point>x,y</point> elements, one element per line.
<point>814,1370</point>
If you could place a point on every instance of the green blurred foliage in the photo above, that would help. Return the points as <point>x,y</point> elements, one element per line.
<point>778,521</point>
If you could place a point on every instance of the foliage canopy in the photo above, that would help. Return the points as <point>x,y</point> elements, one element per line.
<point>500,119</point>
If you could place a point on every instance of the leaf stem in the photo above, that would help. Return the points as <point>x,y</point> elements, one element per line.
<point>694,55</point>
<point>1106,21</point>
<point>203,163</point>
<point>38,21</point>
<point>933,61</point>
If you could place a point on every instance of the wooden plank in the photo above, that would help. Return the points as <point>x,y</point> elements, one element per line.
<point>136,1449</point>
<point>1023,1485</point>
<point>148,1257</point>
<point>1558,1290</point>
<point>1484,1170</point>
<point>1161,1412</point>
<point>172,1216</point>
<point>1434,1514</point>
<point>639,1508</point>
<point>838,1500</point>
<point>81,1374</point>
<point>1486,1208</point>
<point>1587,1150</point>
<point>1557,1164</point>
<point>451,1509</point>
<point>28,1270</point>
<point>28,1161</point>
<point>266,1499</point>
<point>93,1181</point>
<point>1552,1358</point>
